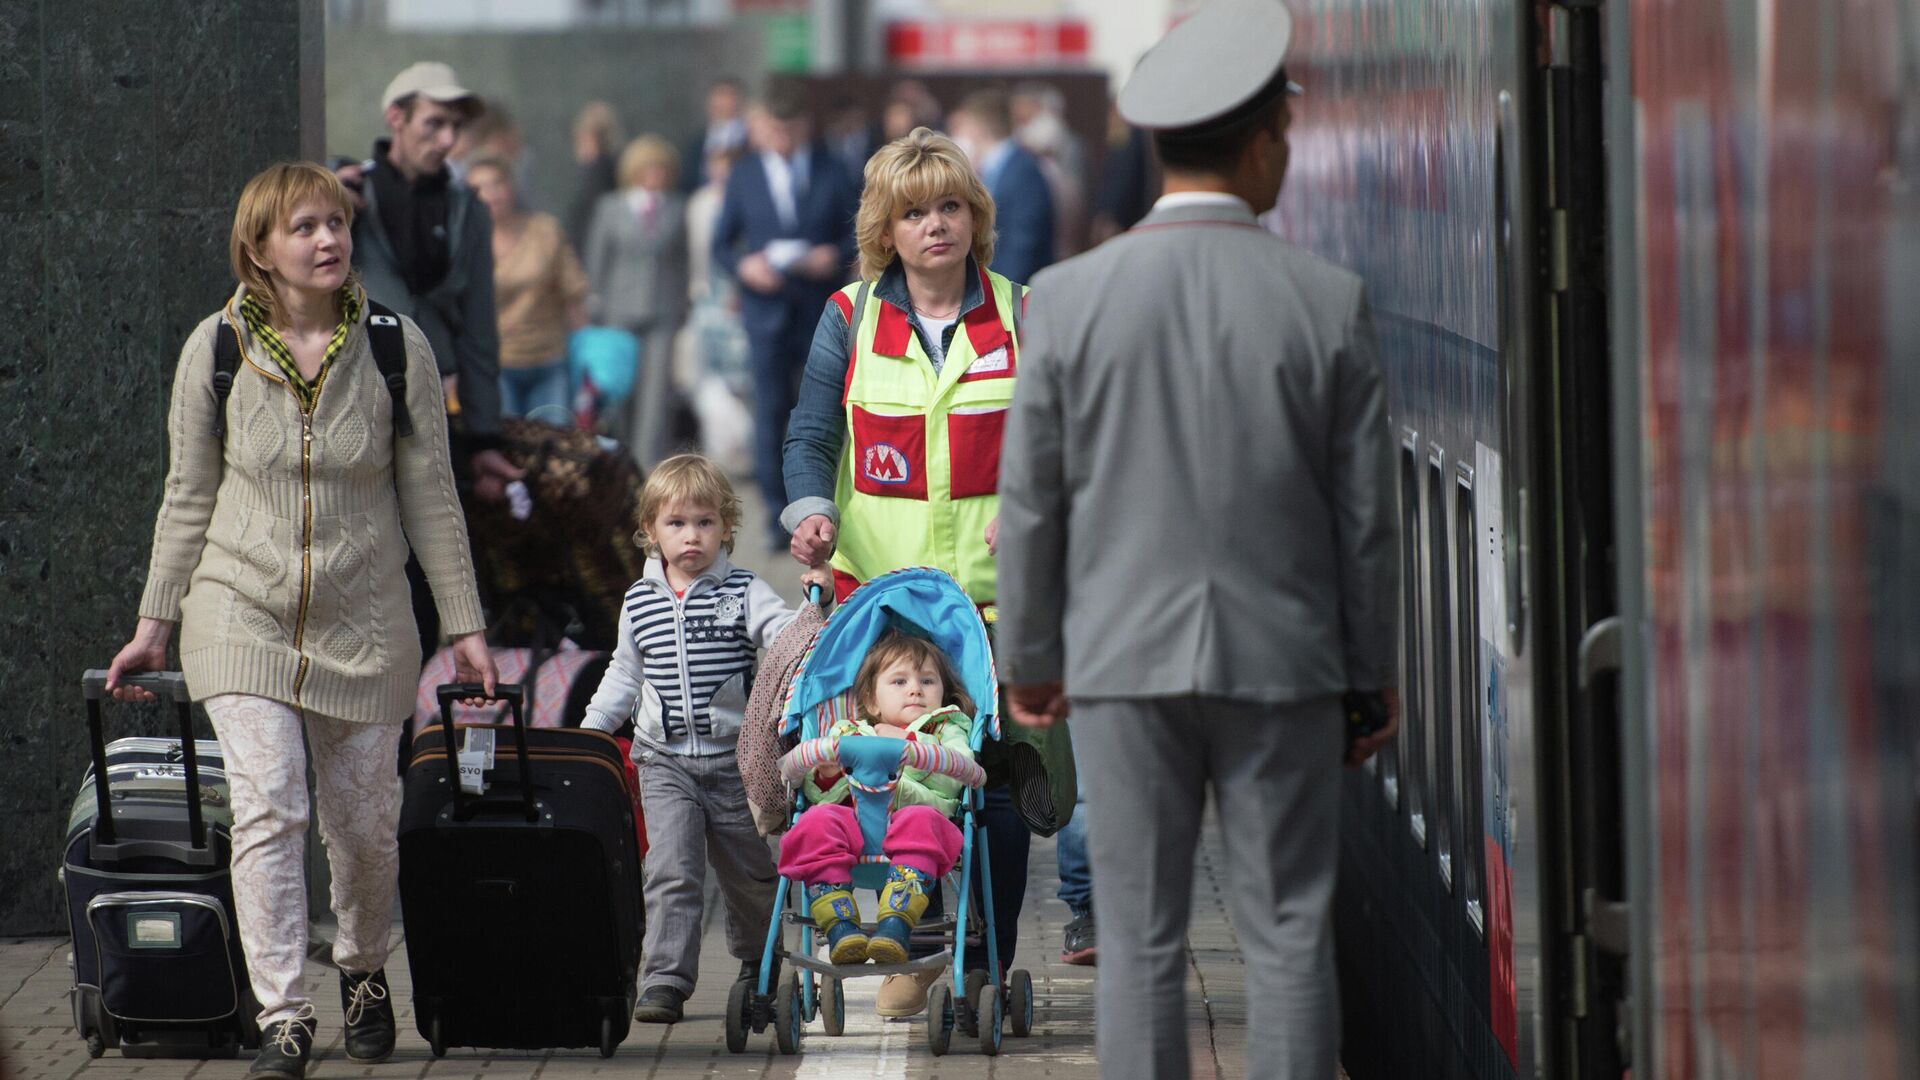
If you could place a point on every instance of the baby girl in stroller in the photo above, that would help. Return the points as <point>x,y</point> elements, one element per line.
<point>905,689</point>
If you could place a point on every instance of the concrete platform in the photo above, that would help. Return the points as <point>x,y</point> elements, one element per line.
<point>37,1040</point>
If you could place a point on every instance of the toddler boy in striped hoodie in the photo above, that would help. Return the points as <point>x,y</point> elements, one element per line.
<point>690,632</point>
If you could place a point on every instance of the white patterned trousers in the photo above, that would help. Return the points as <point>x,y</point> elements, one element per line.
<point>358,795</point>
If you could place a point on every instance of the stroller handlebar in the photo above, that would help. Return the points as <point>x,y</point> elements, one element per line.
<point>800,762</point>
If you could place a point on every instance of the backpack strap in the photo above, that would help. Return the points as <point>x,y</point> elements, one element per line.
<point>226,363</point>
<point>384,334</point>
<point>389,344</point>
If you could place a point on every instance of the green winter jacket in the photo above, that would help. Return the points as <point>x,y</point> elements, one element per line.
<point>917,787</point>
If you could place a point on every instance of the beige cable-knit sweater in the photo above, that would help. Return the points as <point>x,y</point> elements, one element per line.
<point>283,558</point>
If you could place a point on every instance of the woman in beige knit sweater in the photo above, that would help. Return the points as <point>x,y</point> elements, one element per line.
<point>280,549</point>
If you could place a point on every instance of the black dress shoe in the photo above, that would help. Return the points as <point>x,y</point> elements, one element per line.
<point>661,1005</point>
<point>285,1046</point>
<point>369,1009</point>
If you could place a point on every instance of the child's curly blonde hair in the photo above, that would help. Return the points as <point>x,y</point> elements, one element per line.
<point>691,480</point>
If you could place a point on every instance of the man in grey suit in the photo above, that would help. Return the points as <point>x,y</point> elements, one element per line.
<point>1197,549</point>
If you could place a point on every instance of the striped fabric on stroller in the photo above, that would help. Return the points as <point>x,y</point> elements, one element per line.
<point>931,605</point>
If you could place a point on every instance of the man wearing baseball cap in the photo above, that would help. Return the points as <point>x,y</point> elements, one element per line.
<point>1198,554</point>
<point>424,247</point>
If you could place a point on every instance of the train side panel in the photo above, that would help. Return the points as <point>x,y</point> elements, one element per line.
<point>1773,486</point>
<point>1398,162</point>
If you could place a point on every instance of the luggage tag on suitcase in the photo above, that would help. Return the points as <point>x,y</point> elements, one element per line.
<point>476,757</point>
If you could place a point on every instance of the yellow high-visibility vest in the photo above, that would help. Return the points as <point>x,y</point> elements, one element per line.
<point>920,470</point>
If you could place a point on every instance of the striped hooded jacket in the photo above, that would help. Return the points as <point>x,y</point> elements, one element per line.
<point>683,666</point>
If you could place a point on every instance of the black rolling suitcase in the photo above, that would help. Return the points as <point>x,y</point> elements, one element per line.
<point>522,904</point>
<point>157,964</point>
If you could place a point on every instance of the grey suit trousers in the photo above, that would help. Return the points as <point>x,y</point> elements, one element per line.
<point>1146,764</point>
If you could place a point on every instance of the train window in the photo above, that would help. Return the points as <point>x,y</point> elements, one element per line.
<point>1467,686</point>
<point>1445,814</point>
<point>1412,639</point>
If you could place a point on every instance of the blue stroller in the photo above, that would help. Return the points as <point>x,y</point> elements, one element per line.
<point>930,604</point>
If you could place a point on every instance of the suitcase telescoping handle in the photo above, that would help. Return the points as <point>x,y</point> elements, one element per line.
<point>515,697</point>
<point>172,686</point>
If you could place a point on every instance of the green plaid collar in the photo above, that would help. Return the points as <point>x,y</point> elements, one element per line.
<point>258,321</point>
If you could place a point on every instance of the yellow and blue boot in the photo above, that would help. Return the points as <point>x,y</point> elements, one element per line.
<point>902,903</point>
<point>838,919</point>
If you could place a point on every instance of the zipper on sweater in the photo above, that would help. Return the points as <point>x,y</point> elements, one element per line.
<point>686,676</point>
<point>306,544</point>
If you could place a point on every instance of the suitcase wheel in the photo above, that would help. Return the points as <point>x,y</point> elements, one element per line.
<point>435,1042</point>
<point>607,1042</point>
<point>95,1044</point>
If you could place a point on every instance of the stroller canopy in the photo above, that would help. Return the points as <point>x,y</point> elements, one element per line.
<point>923,602</point>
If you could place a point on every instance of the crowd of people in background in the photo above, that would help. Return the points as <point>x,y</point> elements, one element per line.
<point>686,244</point>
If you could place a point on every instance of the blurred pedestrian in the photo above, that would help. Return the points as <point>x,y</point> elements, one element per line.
<point>909,105</point>
<point>983,126</point>
<point>540,292</point>
<point>1198,551</point>
<point>851,134</point>
<point>894,451</point>
<point>711,366</point>
<point>493,132</point>
<point>596,143</point>
<point>290,525</point>
<point>424,247</point>
<point>637,261</point>
<point>1129,180</point>
<point>1045,135</point>
<point>1040,123</point>
<point>786,234</point>
<point>725,131</point>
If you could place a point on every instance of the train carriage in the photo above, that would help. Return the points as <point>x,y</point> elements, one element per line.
<point>1640,273</point>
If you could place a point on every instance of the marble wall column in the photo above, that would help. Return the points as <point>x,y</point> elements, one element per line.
<point>127,128</point>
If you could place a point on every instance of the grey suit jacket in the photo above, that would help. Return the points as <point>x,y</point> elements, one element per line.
<point>639,275</point>
<point>458,314</point>
<point>1196,486</point>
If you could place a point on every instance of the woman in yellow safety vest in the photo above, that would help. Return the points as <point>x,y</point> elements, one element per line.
<point>893,451</point>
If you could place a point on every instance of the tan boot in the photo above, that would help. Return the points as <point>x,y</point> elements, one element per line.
<point>905,995</point>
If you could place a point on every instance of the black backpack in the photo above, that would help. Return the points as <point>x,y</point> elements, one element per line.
<point>389,344</point>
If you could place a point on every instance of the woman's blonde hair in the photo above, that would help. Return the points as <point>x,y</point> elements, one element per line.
<point>268,202</point>
<point>895,646</point>
<point>911,170</point>
<point>692,480</point>
<point>645,151</point>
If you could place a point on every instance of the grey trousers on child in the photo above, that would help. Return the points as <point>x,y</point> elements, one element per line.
<point>697,813</point>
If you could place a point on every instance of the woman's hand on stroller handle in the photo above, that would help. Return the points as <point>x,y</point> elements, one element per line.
<point>817,581</point>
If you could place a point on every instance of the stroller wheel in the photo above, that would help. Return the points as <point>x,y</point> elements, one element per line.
<point>787,1016</point>
<point>990,1016</point>
<point>833,1007</point>
<point>737,1020</point>
<point>1020,1003</point>
<point>976,979</point>
<point>939,1018</point>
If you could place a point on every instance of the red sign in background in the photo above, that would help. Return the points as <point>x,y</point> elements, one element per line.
<point>987,43</point>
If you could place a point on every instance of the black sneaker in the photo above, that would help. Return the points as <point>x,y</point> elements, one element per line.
<point>1078,946</point>
<point>661,1005</point>
<point>285,1046</point>
<point>369,1010</point>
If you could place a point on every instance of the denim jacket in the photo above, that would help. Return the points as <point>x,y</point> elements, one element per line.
<point>817,430</point>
